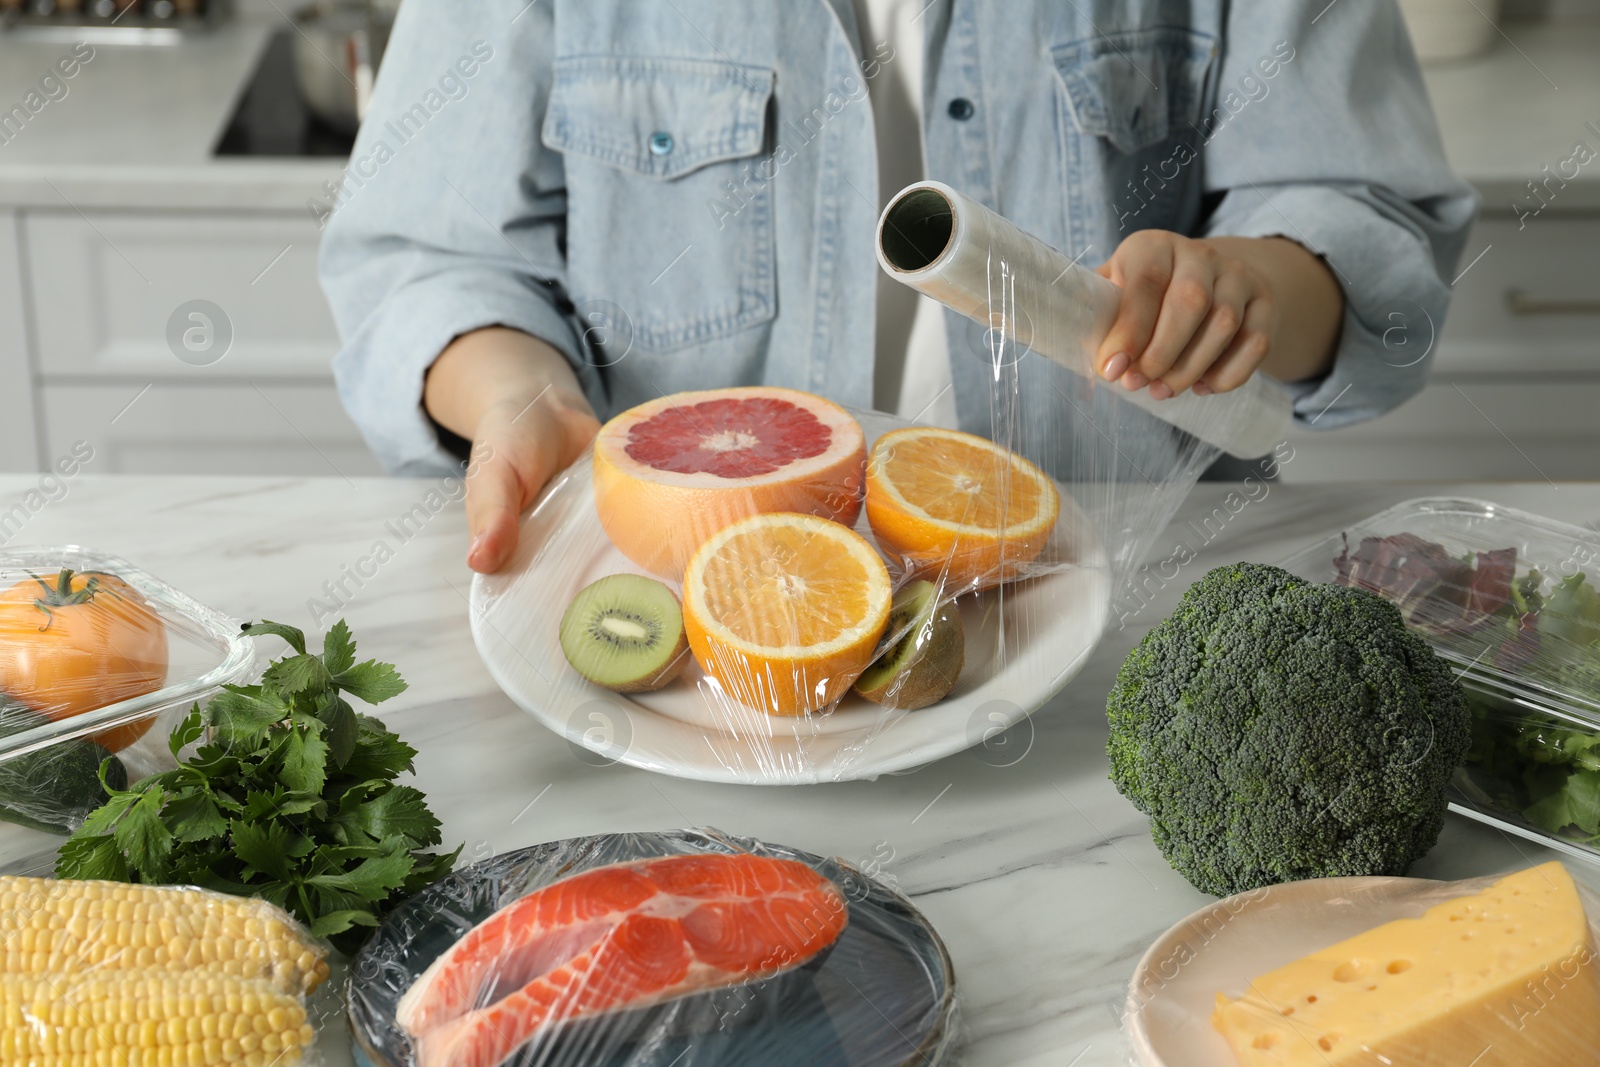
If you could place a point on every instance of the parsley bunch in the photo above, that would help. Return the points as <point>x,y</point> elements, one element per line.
<point>290,797</point>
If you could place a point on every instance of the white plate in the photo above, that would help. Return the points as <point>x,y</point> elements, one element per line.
<point>1221,948</point>
<point>1024,641</point>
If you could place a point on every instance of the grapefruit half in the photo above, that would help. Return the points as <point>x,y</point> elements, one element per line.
<point>670,473</point>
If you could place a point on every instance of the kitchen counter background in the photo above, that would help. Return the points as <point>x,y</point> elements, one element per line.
<point>1520,108</point>
<point>1043,881</point>
<point>115,219</point>
<point>137,126</point>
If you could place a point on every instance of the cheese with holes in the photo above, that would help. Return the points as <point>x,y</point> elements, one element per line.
<point>1503,978</point>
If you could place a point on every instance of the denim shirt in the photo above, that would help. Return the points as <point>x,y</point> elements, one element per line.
<point>683,194</point>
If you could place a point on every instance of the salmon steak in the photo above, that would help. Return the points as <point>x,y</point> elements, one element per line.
<point>616,938</point>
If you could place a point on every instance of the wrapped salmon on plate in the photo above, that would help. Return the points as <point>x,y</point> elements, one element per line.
<point>626,950</point>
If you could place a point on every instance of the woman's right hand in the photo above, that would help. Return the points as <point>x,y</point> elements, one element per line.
<point>516,399</point>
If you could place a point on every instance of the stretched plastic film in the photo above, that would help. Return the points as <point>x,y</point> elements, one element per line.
<point>952,248</point>
<point>687,948</point>
<point>756,585</point>
<point>102,972</point>
<point>1512,600</point>
<point>94,653</point>
<point>1498,971</point>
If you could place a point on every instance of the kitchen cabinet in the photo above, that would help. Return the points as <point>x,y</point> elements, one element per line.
<point>19,445</point>
<point>114,212</point>
<point>104,286</point>
<point>244,427</point>
<point>1497,428</point>
<point>1531,303</point>
<point>129,361</point>
<point>1515,386</point>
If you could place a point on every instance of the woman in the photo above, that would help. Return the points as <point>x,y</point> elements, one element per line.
<point>558,209</point>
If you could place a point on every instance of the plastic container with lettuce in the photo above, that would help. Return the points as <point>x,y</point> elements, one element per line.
<point>1512,600</point>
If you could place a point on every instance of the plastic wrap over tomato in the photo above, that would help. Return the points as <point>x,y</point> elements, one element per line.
<point>98,661</point>
<point>73,642</point>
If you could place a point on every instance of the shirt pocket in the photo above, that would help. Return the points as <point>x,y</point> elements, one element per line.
<point>1133,100</point>
<point>669,221</point>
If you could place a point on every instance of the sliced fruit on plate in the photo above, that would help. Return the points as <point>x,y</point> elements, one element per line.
<point>625,632</point>
<point>670,473</point>
<point>926,653</point>
<point>958,507</point>
<point>785,610</point>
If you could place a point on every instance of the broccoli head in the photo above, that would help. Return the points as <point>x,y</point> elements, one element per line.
<point>1275,729</point>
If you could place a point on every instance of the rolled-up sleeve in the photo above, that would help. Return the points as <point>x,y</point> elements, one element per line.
<point>1336,147</point>
<point>451,216</point>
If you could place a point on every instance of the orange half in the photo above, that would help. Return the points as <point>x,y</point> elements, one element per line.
<point>957,506</point>
<point>785,610</point>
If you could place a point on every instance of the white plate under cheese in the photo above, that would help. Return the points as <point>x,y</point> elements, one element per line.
<point>1355,971</point>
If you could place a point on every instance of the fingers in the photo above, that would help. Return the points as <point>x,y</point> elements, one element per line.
<point>495,497</point>
<point>1143,266</point>
<point>1247,351</point>
<point>519,448</point>
<point>513,458</point>
<point>491,547</point>
<point>1185,307</point>
<point>1192,317</point>
<point>1215,332</point>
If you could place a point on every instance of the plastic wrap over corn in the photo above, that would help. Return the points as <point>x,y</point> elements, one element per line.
<point>101,974</point>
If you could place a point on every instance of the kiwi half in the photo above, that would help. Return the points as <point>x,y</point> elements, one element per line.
<point>928,649</point>
<point>625,632</point>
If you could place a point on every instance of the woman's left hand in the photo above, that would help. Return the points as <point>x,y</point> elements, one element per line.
<point>1204,314</point>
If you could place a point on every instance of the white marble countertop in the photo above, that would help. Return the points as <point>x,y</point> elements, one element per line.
<point>136,125</point>
<point>1042,880</point>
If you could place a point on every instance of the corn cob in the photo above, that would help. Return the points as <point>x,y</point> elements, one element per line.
<point>127,1019</point>
<point>60,927</point>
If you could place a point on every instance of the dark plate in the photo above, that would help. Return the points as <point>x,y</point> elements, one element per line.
<point>881,996</point>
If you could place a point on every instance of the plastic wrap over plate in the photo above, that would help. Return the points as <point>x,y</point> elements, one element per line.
<point>882,995</point>
<point>1226,945</point>
<point>1024,641</point>
<point>794,538</point>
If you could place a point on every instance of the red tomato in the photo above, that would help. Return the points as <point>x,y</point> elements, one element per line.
<point>77,642</point>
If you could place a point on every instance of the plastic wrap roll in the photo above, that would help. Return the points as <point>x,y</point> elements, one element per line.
<point>958,252</point>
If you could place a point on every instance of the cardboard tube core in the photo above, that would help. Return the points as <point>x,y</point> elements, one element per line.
<point>917,228</point>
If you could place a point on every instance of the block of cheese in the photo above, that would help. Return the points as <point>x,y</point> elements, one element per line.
<point>1502,978</point>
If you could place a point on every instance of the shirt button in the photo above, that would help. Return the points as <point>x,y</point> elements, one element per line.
<point>961,109</point>
<point>661,142</point>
